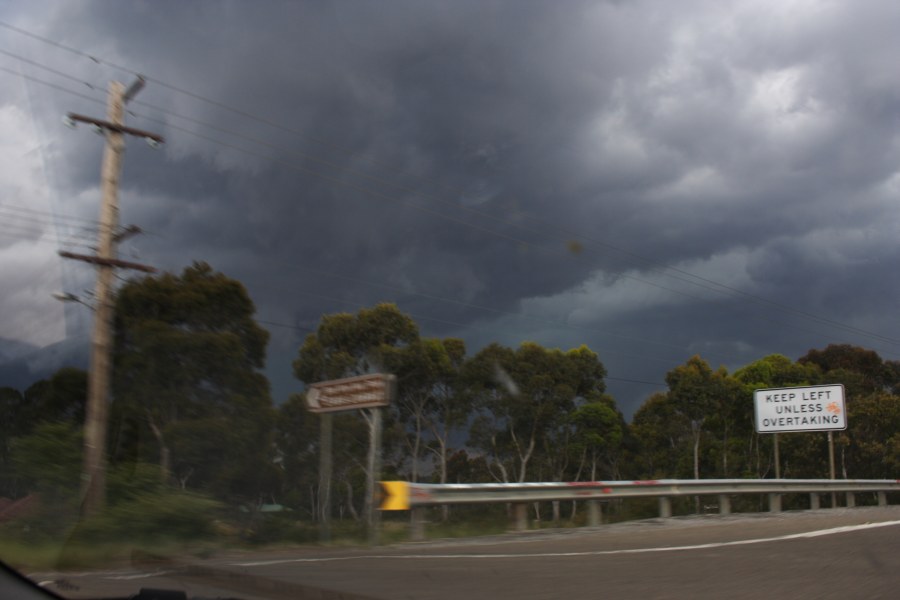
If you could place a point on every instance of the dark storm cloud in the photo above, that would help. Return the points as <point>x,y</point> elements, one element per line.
<point>468,97</point>
<point>449,155</point>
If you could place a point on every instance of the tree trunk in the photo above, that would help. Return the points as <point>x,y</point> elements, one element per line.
<point>843,462</point>
<point>445,509</point>
<point>350,506</point>
<point>165,460</point>
<point>697,454</point>
<point>725,454</point>
<point>417,444</point>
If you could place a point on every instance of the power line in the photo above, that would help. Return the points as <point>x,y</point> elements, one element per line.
<point>52,85</point>
<point>45,217</point>
<point>43,67</point>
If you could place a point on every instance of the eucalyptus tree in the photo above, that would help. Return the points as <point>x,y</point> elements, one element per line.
<point>433,402</point>
<point>524,399</point>
<point>188,368</point>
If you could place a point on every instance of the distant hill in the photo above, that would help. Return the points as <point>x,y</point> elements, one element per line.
<point>13,349</point>
<point>22,364</point>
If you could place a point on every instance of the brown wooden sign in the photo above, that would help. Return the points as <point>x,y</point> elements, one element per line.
<point>365,391</point>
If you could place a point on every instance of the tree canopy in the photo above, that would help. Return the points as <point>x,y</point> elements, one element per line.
<point>189,396</point>
<point>187,374</point>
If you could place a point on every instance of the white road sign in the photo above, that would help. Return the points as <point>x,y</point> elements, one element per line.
<point>813,408</point>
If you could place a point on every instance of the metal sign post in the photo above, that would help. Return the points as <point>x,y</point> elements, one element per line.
<point>325,469</point>
<point>777,458</point>
<point>372,392</point>
<point>831,466</point>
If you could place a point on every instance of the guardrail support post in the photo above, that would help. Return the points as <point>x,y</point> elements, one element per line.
<point>814,503</point>
<point>417,524</point>
<point>774,502</point>
<point>724,504</point>
<point>594,513</point>
<point>665,507</point>
<point>520,516</point>
<point>882,499</point>
<point>851,500</point>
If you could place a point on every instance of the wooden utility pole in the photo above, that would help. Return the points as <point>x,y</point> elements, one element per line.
<point>93,484</point>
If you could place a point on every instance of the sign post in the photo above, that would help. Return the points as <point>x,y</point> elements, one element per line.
<point>372,392</point>
<point>325,471</point>
<point>811,408</point>
<point>777,457</point>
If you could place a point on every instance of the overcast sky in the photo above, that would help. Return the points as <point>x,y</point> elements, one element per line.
<point>652,179</point>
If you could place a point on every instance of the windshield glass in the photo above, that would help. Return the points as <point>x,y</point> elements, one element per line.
<point>593,245</point>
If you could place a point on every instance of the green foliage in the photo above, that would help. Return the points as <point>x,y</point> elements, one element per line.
<point>524,399</point>
<point>187,376</point>
<point>345,345</point>
<point>867,368</point>
<point>127,482</point>
<point>598,434</point>
<point>11,407</point>
<point>150,517</point>
<point>664,443</point>
<point>49,459</point>
<point>667,424</point>
<point>191,400</point>
<point>462,468</point>
<point>60,398</point>
<point>871,446</point>
<point>433,401</point>
<point>776,371</point>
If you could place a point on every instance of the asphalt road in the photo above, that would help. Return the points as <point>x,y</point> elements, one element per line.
<point>841,553</point>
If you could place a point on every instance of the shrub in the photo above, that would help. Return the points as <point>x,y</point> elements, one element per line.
<point>153,516</point>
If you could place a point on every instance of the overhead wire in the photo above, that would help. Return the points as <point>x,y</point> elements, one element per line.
<point>49,69</point>
<point>47,214</point>
<point>37,223</point>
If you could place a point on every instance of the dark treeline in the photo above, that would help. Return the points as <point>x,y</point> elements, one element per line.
<point>192,411</point>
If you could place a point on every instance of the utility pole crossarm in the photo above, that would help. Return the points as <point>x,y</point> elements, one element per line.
<point>108,262</point>
<point>117,127</point>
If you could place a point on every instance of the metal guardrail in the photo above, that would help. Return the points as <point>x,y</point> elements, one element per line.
<point>403,496</point>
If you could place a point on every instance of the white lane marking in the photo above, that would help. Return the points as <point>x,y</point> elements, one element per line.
<point>138,575</point>
<point>792,536</point>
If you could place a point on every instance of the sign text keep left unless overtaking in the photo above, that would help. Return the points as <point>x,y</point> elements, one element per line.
<point>812,408</point>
